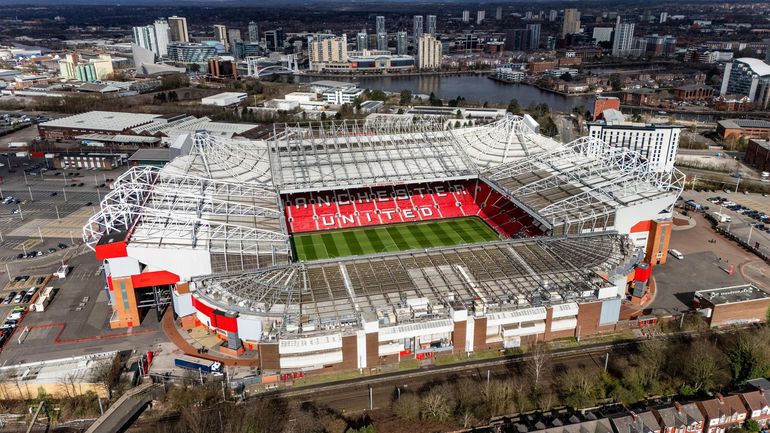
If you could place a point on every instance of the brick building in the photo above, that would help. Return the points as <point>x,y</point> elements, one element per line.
<point>758,406</point>
<point>733,305</point>
<point>693,92</point>
<point>723,413</point>
<point>749,128</point>
<point>602,103</point>
<point>681,418</point>
<point>758,154</point>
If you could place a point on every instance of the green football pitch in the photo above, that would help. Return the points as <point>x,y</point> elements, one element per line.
<point>396,237</point>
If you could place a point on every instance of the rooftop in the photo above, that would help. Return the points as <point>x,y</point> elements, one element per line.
<point>732,295</point>
<point>514,276</point>
<point>102,120</point>
<point>744,123</point>
<point>150,155</point>
<point>758,66</point>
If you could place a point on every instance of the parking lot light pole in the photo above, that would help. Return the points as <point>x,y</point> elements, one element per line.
<point>99,194</point>
<point>8,272</point>
<point>21,212</point>
<point>29,188</point>
<point>736,184</point>
<point>40,233</point>
<point>57,212</point>
<point>748,240</point>
<point>25,177</point>
<point>72,240</point>
<point>64,190</point>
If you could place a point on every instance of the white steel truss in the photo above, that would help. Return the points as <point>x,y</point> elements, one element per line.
<point>173,210</point>
<point>231,160</point>
<point>349,154</point>
<point>596,178</point>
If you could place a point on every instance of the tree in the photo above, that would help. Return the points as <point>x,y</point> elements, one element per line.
<point>405,97</point>
<point>580,387</point>
<point>436,406</point>
<point>539,359</point>
<point>378,95</point>
<point>407,407</point>
<point>172,96</point>
<point>108,374</point>
<point>195,67</point>
<point>566,77</point>
<point>752,426</point>
<point>748,357</point>
<point>514,107</point>
<point>700,370</point>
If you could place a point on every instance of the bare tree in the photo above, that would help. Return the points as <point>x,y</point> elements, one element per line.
<point>436,406</point>
<point>539,359</point>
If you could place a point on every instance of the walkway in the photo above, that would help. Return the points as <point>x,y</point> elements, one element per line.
<point>172,332</point>
<point>125,408</point>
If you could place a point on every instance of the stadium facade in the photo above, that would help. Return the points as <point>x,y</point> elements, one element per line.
<point>579,225</point>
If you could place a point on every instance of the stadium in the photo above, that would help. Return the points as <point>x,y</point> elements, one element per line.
<point>352,244</point>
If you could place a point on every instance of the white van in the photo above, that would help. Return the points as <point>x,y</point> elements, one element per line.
<point>62,271</point>
<point>676,254</point>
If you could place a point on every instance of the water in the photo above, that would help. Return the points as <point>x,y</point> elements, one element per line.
<point>474,88</point>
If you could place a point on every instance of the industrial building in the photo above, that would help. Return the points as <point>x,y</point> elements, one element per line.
<point>574,222</point>
<point>733,305</point>
<point>109,127</point>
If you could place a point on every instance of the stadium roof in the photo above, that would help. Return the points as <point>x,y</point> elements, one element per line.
<point>498,277</point>
<point>508,139</point>
<point>581,185</point>
<point>216,201</point>
<point>349,155</point>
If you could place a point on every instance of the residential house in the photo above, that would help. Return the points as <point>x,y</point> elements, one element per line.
<point>681,418</point>
<point>643,422</point>
<point>757,404</point>
<point>722,413</point>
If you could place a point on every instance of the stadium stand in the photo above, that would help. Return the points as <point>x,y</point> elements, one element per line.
<point>329,210</point>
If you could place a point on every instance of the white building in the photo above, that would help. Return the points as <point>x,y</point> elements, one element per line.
<point>224,99</point>
<point>657,143</point>
<point>428,52</point>
<point>624,38</point>
<point>144,36</point>
<point>325,49</point>
<point>342,96</point>
<point>480,16</point>
<point>162,36</point>
<point>602,34</point>
<point>466,16</point>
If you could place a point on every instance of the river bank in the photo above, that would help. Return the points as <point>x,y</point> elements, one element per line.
<point>405,74</point>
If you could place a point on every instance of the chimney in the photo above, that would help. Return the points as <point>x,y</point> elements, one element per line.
<point>721,398</point>
<point>678,406</point>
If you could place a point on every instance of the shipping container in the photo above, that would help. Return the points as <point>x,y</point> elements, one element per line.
<point>199,364</point>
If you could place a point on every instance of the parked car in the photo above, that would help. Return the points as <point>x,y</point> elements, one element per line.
<point>9,298</point>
